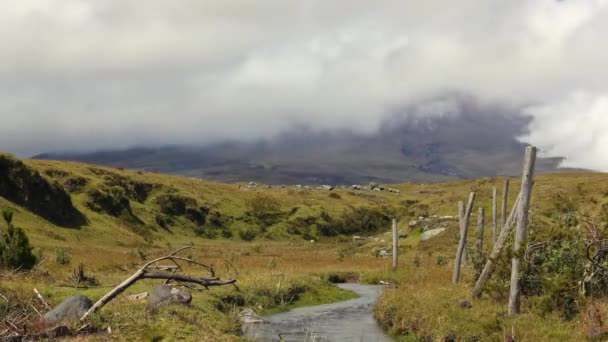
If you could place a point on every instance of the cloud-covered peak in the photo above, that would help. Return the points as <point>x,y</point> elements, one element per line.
<point>101,74</point>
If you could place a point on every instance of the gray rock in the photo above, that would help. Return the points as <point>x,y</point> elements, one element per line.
<point>358,238</point>
<point>165,295</point>
<point>248,316</point>
<point>465,304</point>
<point>431,233</point>
<point>385,253</point>
<point>69,310</point>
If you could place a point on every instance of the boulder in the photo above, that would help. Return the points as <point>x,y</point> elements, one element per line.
<point>69,310</point>
<point>248,316</point>
<point>164,295</point>
<point>431,233</point>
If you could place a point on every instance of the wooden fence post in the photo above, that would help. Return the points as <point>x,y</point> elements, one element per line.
<point>527,180</point>
<point>479,247</point>
<point>494,215</point>
<point>460,222</point>
<point>505,197</point>
<point>395,244</point>
<point>489,267</point>
<point>463,238</point>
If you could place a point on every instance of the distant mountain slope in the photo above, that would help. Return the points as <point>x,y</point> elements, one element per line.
<point>470,144</point>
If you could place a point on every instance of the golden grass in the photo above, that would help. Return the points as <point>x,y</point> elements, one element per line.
<point>424,303</point>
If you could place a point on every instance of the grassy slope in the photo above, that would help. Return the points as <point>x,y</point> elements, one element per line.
<point>107,246</point>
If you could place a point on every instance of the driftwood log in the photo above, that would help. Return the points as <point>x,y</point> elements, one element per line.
<point>151,270</point>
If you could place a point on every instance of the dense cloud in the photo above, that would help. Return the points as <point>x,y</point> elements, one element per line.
<point>85,74</point>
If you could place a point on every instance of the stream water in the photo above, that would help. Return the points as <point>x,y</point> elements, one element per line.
<point>351,320</point>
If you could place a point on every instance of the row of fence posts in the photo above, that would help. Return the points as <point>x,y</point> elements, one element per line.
<point>518,215</point>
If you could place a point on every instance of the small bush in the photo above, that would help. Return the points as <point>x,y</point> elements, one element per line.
<point>62,257</point>
<point>441,260</point>
<point>265,210</point>
<point>247,234</point>
<point>15,249</point>
<point>335,195</point>
<point>165,221</point>
<point>142,253</point>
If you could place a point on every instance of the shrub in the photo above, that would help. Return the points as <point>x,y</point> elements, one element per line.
<point>15,250</point>
<point>356,220</point>
<point>335,195</point>
<point>174,205</point>
<point>247,234</point>
<point>164,220</point>
<point>62,257</point>
<point>441,260</point>
<point>265,210</point>
<point>142,253</point>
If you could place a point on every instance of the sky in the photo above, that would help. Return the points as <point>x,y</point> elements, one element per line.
<point>88,74</point>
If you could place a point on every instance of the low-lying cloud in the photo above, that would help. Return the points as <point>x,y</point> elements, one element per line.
<point>84,74</point>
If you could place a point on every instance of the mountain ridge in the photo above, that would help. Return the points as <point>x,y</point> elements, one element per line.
<point>466,145</point>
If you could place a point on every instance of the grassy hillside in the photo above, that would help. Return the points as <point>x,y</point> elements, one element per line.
<point>131,216</point>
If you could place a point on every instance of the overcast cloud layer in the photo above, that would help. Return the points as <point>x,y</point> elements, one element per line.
<point>115,73</point>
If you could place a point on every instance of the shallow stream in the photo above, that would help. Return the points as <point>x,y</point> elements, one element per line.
<point>351,320</point>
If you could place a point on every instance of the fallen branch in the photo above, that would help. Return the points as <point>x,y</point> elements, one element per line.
<point>46,305</point>
<point>150,270</point>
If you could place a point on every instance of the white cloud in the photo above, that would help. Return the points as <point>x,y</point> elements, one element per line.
<point>574,127</point>
<point>114,73</point>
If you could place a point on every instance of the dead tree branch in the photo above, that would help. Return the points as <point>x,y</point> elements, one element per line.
<point>151,270</point>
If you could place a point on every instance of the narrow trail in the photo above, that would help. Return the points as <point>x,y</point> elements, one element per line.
<point>351,320</point>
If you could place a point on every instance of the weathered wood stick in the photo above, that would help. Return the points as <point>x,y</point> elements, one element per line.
<point>505,197</point>
<point>460,221</point>
<point>39,295</point>
<point>395,244</point>
<point>480,226</point>
<point>494,215</point>
<point>490,263</point>
<point>463,238</point>
<point>527,180</point>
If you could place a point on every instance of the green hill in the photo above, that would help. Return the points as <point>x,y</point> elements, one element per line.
<point>122,217</point>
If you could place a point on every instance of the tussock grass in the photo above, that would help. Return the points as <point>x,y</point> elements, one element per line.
<point>279,270</point>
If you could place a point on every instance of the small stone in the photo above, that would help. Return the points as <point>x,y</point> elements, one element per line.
<point>465,304</point>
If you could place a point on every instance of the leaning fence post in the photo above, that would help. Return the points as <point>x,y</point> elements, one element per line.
<point>460,222</point>
<point>527,180</point>
<point>479,247</point>
<point>505,197</point>
<point>463,238</point>
<point>395,244</point>
<point>494,215</point>
<point>491,262</point>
